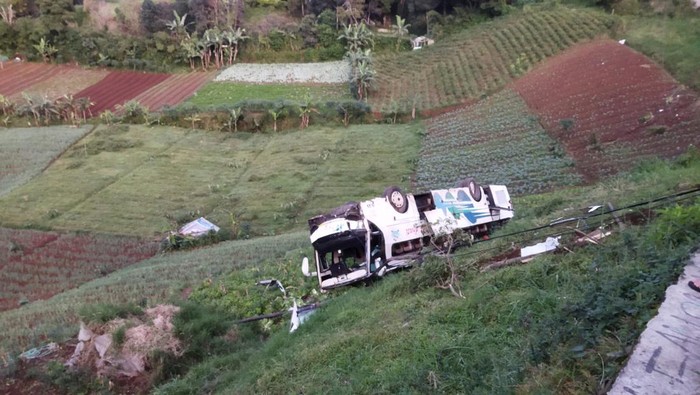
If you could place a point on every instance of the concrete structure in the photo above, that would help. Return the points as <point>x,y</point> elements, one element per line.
<point>667,358</point>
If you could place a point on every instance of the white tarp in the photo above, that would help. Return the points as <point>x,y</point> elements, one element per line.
<point>548,245</point>
<point>198,227</point>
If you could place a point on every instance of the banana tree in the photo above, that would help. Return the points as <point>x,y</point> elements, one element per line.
<point>233,38</point>
<point>365,77</point>
<point>45,49</point>
<point>178,25</point>
<point>357,37</point>
<point>400,30</point>
<point>189,49</point>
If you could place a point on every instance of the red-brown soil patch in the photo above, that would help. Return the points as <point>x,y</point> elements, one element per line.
<point>17,77</point>
<point>66,81</point>
<point>119,87</point>
<point>611,107</point>
<point>37,265</point>
<point>173,90</point>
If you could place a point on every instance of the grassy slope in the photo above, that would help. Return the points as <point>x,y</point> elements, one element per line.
<point>541,327</point>
<point>25,152</point>
<point>136,180</point>
<point>673,42</point>
<point>217,93</point>
<point>157,280</point>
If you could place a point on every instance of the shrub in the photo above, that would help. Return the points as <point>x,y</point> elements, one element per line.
<point>103,312</point>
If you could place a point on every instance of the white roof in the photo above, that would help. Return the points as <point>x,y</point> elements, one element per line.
<point>198,227</point>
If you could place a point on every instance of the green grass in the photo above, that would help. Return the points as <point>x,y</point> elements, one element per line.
<point>560,324</point>
<point>673,42</point>
<point>25,152</point>
<point>497,141</point>
<point>157,280</point>
<point>140,181</point>
<point>217,93</point>
<point>403,335</point>
<point>483,59</point>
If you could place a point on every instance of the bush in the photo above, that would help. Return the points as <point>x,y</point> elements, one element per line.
<point>239,294</point>
<point>103,312</point>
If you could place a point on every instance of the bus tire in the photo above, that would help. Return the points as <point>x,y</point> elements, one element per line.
<point>397,199</point>
<point>474,189</point>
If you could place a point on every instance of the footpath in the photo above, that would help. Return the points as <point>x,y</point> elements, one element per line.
<point>667,358</point>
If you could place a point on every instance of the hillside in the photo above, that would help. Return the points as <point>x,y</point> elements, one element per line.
<point>539,100</point>
<point>592,111</point>
<point>144,181</point>
<point>481,60</point>
<point>611,107</point>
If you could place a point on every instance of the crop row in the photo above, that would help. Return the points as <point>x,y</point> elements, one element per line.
<point>497,141</point>
<point>118,87</point>
<point>481,60</point>
<point>25,152</point>
<point>173,90</point>
<point>36,265</point>
<point>611,107</point>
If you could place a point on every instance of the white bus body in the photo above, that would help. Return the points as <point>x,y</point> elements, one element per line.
<point>359,240</point>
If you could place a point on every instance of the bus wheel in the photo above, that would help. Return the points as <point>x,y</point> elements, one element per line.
<point>397,199</point>
<point>474,189</point>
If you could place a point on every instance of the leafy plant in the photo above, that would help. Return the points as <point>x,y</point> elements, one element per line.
<point>104,312</point>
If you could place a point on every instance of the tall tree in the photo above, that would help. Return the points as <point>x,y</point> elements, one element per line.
<point>148,18</point>
<point>56,15</point>
<point>203,13</point>
<point>7,13</point>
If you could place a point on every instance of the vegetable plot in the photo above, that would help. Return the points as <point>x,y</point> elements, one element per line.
<point>481,60</point>
<point>611,107</point>
<point>119,87</point>
<point>25,152</point>
<point>37,265</point>
<point>16,77</point>
<point>174,90</point>
<point>497,141</point>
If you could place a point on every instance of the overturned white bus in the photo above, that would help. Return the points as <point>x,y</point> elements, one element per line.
<point>357,241</point>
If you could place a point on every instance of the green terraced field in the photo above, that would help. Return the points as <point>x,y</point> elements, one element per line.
<point>497,141</point>
<point>139,181</point>
<point>481,60</point>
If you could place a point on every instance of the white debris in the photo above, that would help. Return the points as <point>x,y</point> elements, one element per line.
<point>548,245</point>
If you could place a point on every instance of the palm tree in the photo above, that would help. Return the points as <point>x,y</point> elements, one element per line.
<point>276,113</point>
<point>7,14</point>
<point>355,58</point>
<point>211,41</point>
<point>400,30</point>
<point>305,110</point>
